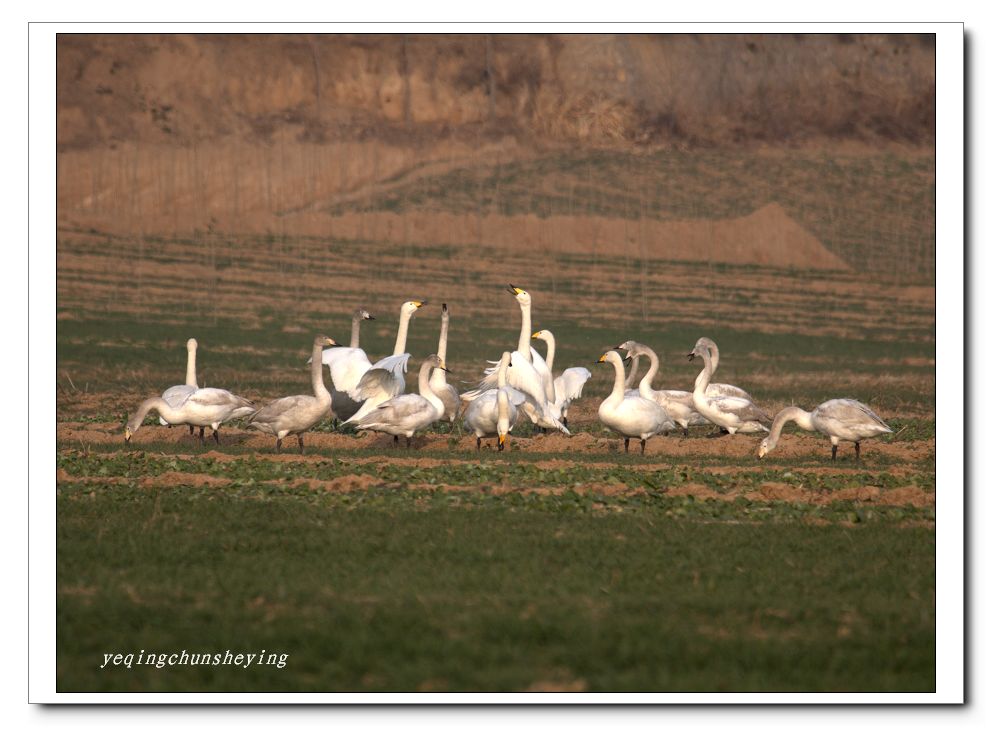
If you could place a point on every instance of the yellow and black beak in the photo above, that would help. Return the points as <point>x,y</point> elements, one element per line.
<point>329,342</point>
<point>515,290</point>
<point>127,434</point>
<point>602,359</point>
<point>535,335</point>
<point>502,441</point>
<point>418,304</point>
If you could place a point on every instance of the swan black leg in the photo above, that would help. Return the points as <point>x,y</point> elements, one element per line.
<point>408,442</point>
<point>217,435</point>
<point>717,434</point>
<point>299,438</point>
<point>396,440</point>
<point>857,451</point>
<point>564,421</point>
<point>626,445</point>
<point>190,428</point>
<point>643,442</point>
<point>278,445</point>
<point>478,444</point>
<point>685,432</point>
<point>201,436</point>
<point>833,452</point>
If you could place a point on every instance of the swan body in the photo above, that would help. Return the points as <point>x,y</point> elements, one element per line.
<point>177,394</point>
<point>406,414</point>
<point>439,379</point>
<point>525,375</point>
<point>631,417</point>
<point>566,387</point>
<point>386,378</point>
<point>298,414</point>
<point>208,406</point>
<point>842,420</point>
<point>494,412</point>
<point>734,414</point>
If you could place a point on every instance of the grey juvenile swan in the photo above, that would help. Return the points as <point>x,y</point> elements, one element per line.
<point>842,420</point>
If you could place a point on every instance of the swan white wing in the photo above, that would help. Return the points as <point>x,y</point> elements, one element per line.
<point>376,383</point>
<point>175,397</point>
<point>396,364</point>
<point>741,407</point>
<point>347,365</point>
<point>272,412</point>
<point>850,415</point>
<point>568,385</point>
<point>718,389</point>
<point>547,378</point>
<point>210,396</point>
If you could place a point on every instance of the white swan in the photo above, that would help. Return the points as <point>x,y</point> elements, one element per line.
<point>346,365</point>
<point>385,379</point>
<point>568,385</point>
<point>841,420</point>
<point>297,414</point>
<point>439,380</point>
<point>631,417</point>
<point>677,403</point>
<point>731,413</point>
<point>208,406</point>
<point>525,373</point>
<point>494,412</point>
<point>177,394</point>
<point>407,414</point>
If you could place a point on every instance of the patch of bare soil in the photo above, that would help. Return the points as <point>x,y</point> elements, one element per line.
<point>170,479</point>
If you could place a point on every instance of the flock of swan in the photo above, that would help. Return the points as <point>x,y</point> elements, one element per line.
<point>520,384</point>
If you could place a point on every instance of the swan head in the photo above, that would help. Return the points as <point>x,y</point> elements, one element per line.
<point>523,298</point>
<point>410,308</point>
<point>130,429</point>
<point>544,335</point>
<point>610,357</point>
<point>191,344</point>
<point>322,340</point>
<point>765,447</point>
<point>362,314</point>
<point>702,348</point>
<point>444,310</point>
<point>629,347</point>
<point>435,361</point>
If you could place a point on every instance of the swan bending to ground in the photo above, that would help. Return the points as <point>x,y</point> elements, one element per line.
<point>677,403</point>
<point>407,414</point>
<point>731,413</point>
<point>525,373</point>
<point>631,417</point>
<point>385,379</point>
<point>298,414</point>
<point>842,420</point>
<point>494,412</point>
<point>568,385</point>
<point>175,395</point>
<point>208,406</point>
<point>439,380</point>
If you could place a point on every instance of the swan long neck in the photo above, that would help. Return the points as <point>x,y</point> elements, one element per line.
<point>550,358</point>
<point>317,373</point>
<point>645,386</point>
<point>502,412</point>
<point>803,420</point>
<point>401,332</point>
<point>501,373</point>
<point>438,376</point>
<point>191,368</point>
<point>356,324</point>
<point>618,382</point>
<point>424,383</point>
<point>632,377</point>
<point>703,380</point>
<point>153,403</point>
<point>715,355</point>
<point>523,345</point>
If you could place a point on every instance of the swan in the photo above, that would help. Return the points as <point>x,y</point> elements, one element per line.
<point>841,420</point>
<point>525,373</point>
<point>632,417</point>
<point>568,385</point>
<point>406,414</point>
<point>385,379</point>
<point>677,403</point>
<point>346,365</point>
<point>176,394</point>
<point>298,413</point>
<point>494,412</point>
<point>439,380</point>
<point>731,413</point>
<point>208,406</point>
